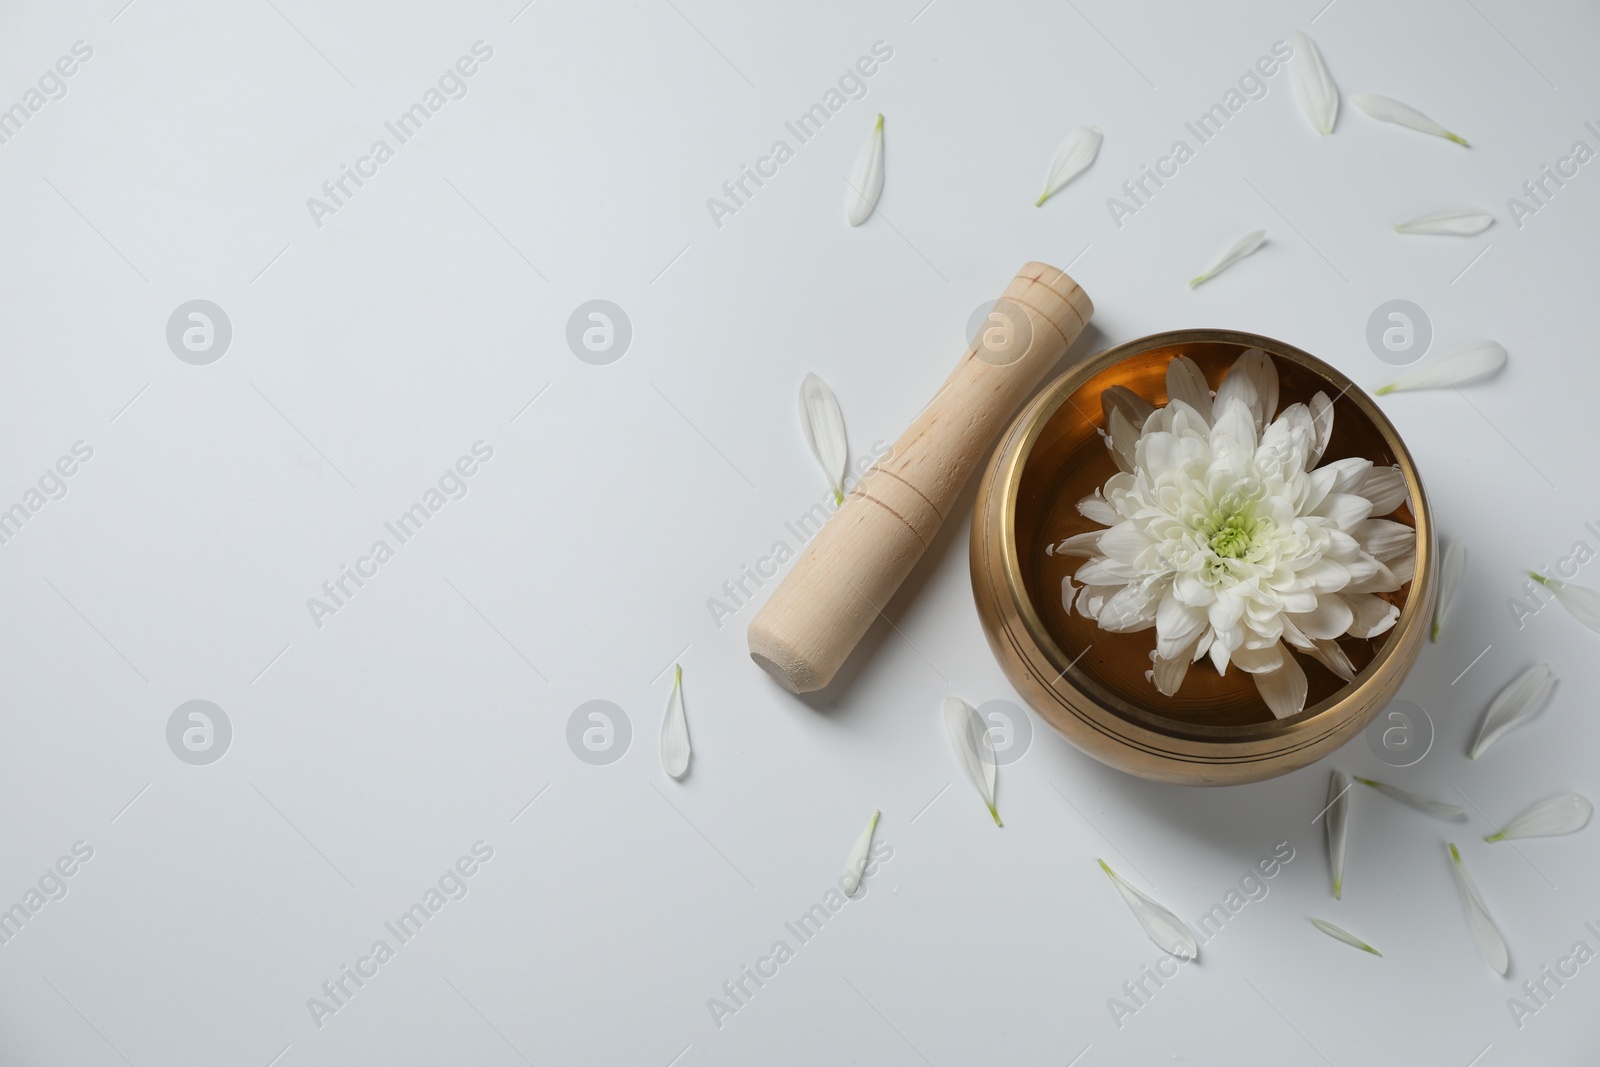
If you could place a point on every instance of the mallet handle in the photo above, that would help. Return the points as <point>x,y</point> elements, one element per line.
<point>848,572</point>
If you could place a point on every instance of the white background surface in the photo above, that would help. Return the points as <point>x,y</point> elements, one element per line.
<point>369,353</point>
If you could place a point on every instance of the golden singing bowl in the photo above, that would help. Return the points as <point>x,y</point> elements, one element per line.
<point>1090,684</point>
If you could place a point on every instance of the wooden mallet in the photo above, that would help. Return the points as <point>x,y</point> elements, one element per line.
<point>848,572</point>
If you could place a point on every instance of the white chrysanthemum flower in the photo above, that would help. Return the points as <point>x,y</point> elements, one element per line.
<point>1228,539</point>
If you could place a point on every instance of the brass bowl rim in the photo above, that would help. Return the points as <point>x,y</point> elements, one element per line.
<point>1297,730</point>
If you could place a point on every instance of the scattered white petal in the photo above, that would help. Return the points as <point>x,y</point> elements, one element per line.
<point>866,181</point>
<point>1077,151</point>
<point>1164,928</point>
<point>1342,935</point>
<point>1463,222</point>
<point>857,863</point>
<point>1417,800</point>
<point>1452,566</point>
<point>969,737</point>
<point>1386,110</point>
<point>1549,818</point>
<point>823,423</point>
<point>1237,251</point>
<point>1583,603</point>
<point>675,730</point>
<point>1312,84</point>
<point>1337,815</point>
<point>1471,364</point>
<point>1490,943</point>
<point>1523,696</point>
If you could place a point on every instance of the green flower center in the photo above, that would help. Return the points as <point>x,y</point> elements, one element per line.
<point>1232,537</point>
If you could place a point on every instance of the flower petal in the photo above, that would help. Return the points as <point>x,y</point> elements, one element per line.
<point>1387,110</point>
<point>1096,508</point>
<point>1084,544</point>
<point>866,180</point>
<point>1077,151</point>
<point>1344,511</point>
<point>1372,615</point>
<point>1471,364</point>
<point>1342,935</point>
<point>1417,800</point>
<point>1235,424</point>
<point>1337,814</point>
<point>1583,603</point>
<point>1322,423</point>
<point>1484,932</point>
<point>1522,696</point>
<point>1132,609</point>
<point>1549,818</point>
<point>1167,674</point>
<point>823,423</point>
<point>1463,222</point>
<point>1331,619</point>
<point>1253,378</point>
<point>856,865</point>
<point>1284,689</point>
<point>1258,660</point>
<point>969,739</point>
<point>1312,84</point>
<point>1163,927</point>
<point>1177,627</point>
<point>1384,539</point>
<point>1385,487</point>
<point>1331,656</point>
<point>675,730</point>
<point>1121,437</point>
<point>1235,252</point>
<point>1452,565</point>
<point>1185,382</point>
<point>1135,407</point>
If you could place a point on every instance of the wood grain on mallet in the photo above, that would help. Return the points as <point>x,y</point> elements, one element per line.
<point>815,617</point>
